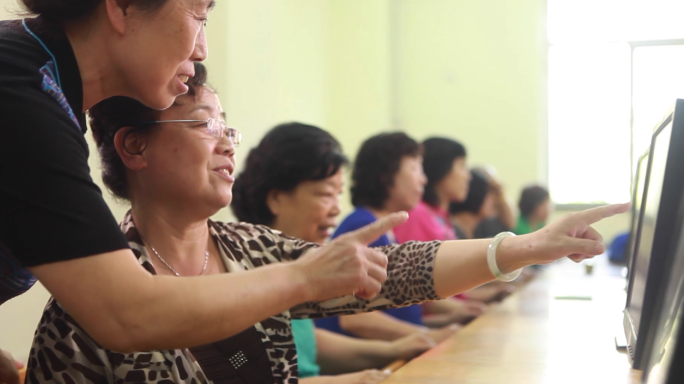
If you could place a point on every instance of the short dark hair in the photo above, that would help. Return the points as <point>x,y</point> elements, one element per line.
<point>438,160</point>
<point>60,11</point>
<point>113,114</point>
<point>477,193</point>
<point>530,198</point>
<point>376,164</point>
<point>288,155</point>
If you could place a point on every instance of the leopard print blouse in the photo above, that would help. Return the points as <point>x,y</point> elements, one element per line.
<point>62,352</point>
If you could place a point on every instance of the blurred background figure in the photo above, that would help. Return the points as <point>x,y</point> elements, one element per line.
<point>476,217</point>
<point>535,207</point>
<point>388,177</point>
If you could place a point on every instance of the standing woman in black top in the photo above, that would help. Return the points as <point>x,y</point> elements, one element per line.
<point>54,223</point>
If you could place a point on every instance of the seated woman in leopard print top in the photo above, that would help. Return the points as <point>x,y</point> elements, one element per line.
<point>175,167</point>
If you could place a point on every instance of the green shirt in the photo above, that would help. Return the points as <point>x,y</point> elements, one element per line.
<point>523,227</point>
<point>305,341</point>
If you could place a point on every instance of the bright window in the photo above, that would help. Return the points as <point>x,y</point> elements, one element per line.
<point>658,81</point>
<point>609,61</point>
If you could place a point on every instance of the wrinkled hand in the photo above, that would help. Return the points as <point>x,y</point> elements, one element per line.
<point>491,292</point>
<point>9,373</point>
<point>467,310</point>
<point>370,376</point>
<point>346,265</point>
<point>573,236</point>
<point>440,334</point>
<point>411,346</point>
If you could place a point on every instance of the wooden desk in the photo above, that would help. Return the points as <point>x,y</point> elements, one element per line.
<point>533,338</point>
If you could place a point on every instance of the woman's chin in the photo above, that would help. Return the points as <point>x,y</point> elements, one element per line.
<point>160,100</point>
<point>225,200</point>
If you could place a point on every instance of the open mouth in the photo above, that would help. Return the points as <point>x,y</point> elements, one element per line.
<point>226,172</point>
<point>326,229</point>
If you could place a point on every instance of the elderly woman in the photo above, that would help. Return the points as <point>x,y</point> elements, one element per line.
<point>53,68</point>
<point>291,182</point>
<point>175,167</point>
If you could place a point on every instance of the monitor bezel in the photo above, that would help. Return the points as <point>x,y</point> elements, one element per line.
<point>665,221</point>
<point>675,372</point>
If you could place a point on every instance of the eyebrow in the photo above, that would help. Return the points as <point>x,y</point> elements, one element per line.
<point>332,183</point>
<point>211,5</point>
<point>205,107</point>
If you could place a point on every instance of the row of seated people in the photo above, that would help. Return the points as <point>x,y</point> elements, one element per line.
<point>388,175</point>
<point>291,183</point>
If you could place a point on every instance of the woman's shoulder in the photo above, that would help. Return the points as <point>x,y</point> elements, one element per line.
<point>259,241</point>
<point>252,240</point>
<point>19,52</point>
<point>244,231</point>
<point>421,225</point>
<point>421,216</point>
<point>355,220</point>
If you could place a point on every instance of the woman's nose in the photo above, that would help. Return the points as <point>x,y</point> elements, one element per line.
<point>337,207</point>
<point>201,49</point>
<point>225,147</point>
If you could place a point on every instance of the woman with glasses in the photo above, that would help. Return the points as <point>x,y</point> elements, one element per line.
<point>176,168</point>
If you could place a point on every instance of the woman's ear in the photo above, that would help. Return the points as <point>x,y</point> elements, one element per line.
<point>131,148</point>
<point>117,10</point>
<point>274,201</point>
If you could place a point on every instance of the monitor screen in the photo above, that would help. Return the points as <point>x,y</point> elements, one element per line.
<point>666,329</point>
<point>637,197</point>
<point>644,242</point>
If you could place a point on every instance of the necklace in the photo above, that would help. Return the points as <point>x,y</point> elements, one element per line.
<point>206,258</point>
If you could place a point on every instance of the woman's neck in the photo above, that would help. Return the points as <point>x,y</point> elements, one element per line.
<point>467,222</point>
<point>443,200</point>
<point>378,213</point>
<point>99,77</point>
<point>533,222</point>
<point>181,242</point>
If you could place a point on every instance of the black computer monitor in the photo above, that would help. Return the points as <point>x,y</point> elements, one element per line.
<point>665,345</point>
<point>637,197</point>
<point>658,220</point>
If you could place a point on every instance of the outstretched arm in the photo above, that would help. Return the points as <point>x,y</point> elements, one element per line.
<point>125,308</point>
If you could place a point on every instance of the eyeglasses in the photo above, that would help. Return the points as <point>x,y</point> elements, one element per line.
<point>214,127</point>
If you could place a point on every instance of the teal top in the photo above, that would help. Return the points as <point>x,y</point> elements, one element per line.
<point>523,227</point>
<point>305,341</point>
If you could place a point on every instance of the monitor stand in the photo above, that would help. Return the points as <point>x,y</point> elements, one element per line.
<point>620,340</point>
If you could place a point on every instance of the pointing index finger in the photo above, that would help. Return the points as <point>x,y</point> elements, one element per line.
<point>371,232</point>
<point>591,216</point>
